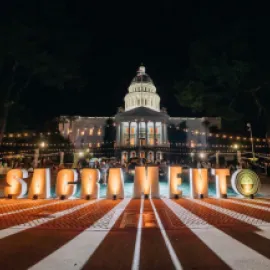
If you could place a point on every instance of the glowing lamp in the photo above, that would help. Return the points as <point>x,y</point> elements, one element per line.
<point>89,184</point>
<point>221,182</point>
<point>202,155</point>
<point>17,187</point>
<point>174,181</point>
<point>40,187</point>
<point>42,144</point>
<point>115,186</point>
<point>198,183</point>
<point>66,183</point>
<point>235,146</point>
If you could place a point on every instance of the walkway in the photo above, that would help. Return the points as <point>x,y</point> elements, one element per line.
<point>135,234</point>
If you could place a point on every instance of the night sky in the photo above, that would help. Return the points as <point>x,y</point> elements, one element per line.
<point>117,38</point>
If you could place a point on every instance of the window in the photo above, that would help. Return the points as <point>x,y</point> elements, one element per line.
<point>90,144</point>
<point>91,131</point>
<point>98,144</point>
<point>99,132</point>
<point>82,133</point>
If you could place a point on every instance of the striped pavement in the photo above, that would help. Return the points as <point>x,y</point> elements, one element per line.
<point>135,234</point>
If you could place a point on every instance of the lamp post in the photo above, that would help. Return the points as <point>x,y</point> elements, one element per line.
<point>238,154</point>
<point>251,139</point>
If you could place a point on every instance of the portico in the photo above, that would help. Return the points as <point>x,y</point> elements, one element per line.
<point>141,133</point>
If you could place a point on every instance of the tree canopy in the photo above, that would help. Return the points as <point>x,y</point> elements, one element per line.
<point>41,50</point>
<point>227,78</point>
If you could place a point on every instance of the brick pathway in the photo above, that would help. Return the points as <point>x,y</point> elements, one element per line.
<point>181,234</point>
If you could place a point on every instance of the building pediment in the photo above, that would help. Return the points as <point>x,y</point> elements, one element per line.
<point>141,114</point>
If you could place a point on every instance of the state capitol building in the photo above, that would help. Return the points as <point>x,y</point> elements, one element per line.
<point>140,129</point>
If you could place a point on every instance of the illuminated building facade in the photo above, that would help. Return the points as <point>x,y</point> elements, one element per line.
<point>142,127</point>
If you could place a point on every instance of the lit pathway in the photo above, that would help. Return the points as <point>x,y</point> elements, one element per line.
<point>136,234</point>
<point>74,254</point>
<point>34,223</point>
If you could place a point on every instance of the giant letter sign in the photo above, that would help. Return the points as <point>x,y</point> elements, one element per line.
<point>115,187</point>
<point>17,186</point>
<point>139,182</point>
<point>66,183</point>
<point>198,183</point>
<point>89,183</point>
<point>40,187</point>
<point>146,182</point>
<point>174,181</point>
<point>152,178</point>
<point>221,182</point>
<point>245,182</point>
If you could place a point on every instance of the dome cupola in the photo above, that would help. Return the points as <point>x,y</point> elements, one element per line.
<point>142,92</point>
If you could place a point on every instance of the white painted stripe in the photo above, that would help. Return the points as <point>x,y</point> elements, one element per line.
<point>136,256</point>
<point>260,224</point>
<point>240,202</point>
<point>231,251</point>
<point>31,208</point>
<point>172,253</point>
<point>264,232</point>
<point>76,252</point>
<point>233,214</point>
<point>258,201</point>
<point>33,223</point>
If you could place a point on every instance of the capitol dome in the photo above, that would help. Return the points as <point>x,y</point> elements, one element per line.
<point>142,92</point>
<point>141,77</point>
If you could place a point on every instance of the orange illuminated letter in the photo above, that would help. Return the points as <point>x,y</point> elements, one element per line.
<point>89,183</point>
<point>115,187</point>
<point>146,181</point>
<point>174,181</point>
<point>66,183</point>
<point>17,186</point>
<point>198,183</point>
<point>40,187</point>
<point>221,182</point>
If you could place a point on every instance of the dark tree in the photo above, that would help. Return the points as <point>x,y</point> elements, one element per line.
<point>226,78</point>
<point>37,52</point>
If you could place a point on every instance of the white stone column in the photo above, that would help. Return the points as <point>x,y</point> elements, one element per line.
<point>129,132</point>
<point>146,132</point>
<point>137,134</point>
<point>165,133</point>
<point>155,137</point>
<point>162,133</point>
<point>121,135</point>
